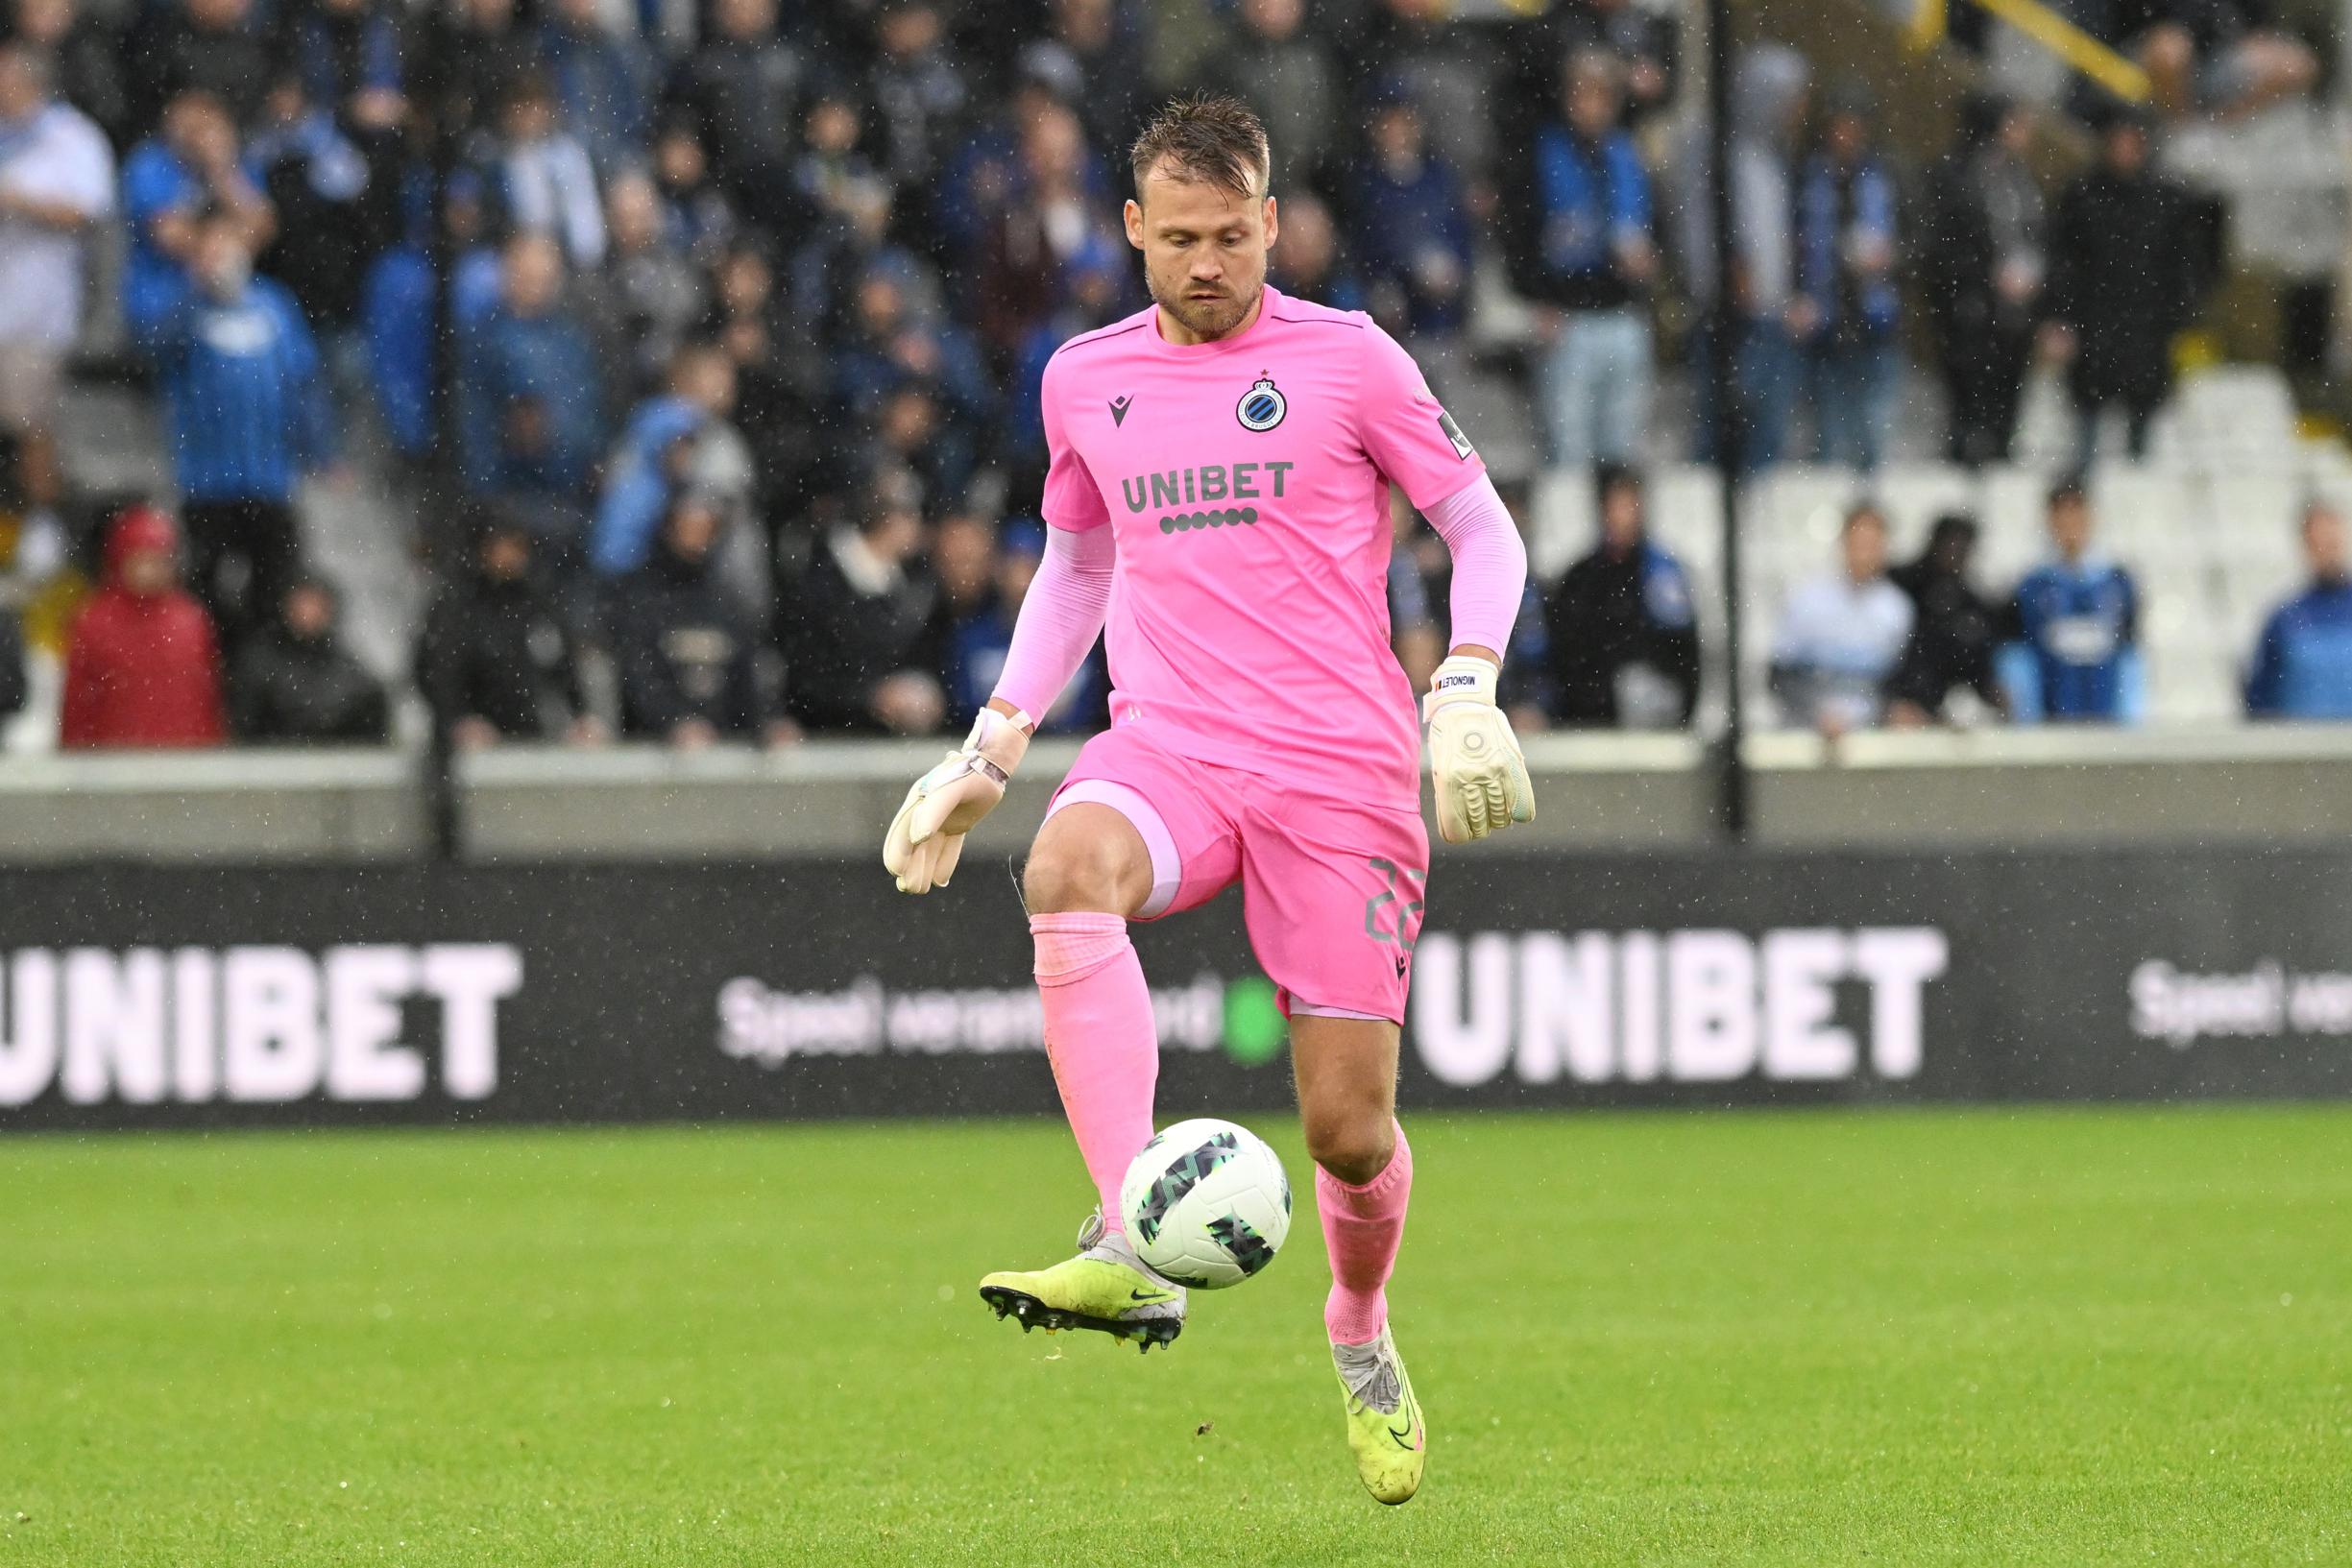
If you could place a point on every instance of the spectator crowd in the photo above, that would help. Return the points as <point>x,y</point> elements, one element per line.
<point>703,339</point>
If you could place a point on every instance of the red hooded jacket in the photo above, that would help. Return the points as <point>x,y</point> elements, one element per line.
<point>141,670</point>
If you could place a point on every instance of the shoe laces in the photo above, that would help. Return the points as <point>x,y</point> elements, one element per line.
<point>1370,1372</point>
<point>1090,1234</point>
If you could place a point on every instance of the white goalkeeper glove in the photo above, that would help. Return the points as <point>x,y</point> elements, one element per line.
<point>1475,759</point>
<point>926,837</point>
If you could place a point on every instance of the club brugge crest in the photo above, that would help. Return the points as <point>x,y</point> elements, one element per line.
<point>1262,406</point>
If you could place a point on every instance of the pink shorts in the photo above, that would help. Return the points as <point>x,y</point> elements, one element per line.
<point>1331,889</point>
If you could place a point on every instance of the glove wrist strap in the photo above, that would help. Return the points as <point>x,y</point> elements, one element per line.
<point>997,743</point>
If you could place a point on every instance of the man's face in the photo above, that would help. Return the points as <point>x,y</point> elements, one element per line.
<point>897,534</point>
<point>310,614</point>
<point>148,573</point>
<point>505,556</point>
<point>191,120</point>
<point>1621,517</point>
<point>693,531</point>
<point>1846,137</point>
<point>1013,575</point>
<point>2323,544</point>
<point>961,554</point>
<point>1863,544</point>
<point>533,274</point>
<point>20,87</point>
<point>678,156</point>
<point>1204,250</point>
<point>880,309</point>
<point>217,15</point>
<point>2069,527</point>
<point>633,212</point>
<point>707,381</point>
<point>1312,244</point>
<point>1593,103</point>
<point>909,31</point>
<point>223,264</point>
<point>746,19</point>
<point>1054,147</point>
<point>1396,132</point>
<point>44,22</point>
<point>1272,20</point>
<point>2127,148</point>
<point>529,118</point>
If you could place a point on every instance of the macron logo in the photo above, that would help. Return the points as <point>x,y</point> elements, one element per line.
<point>1118,409</point>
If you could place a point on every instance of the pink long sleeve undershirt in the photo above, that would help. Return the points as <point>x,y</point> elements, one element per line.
<point>1060,617</point>
<point>1064,610</point>
<point>1489,564</point>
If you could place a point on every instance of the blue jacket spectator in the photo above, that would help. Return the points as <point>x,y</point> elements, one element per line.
<point>167,182</point>
<point>1843,211</point>
<point>2303,664</point>
<point>643,480</point>
<point>1580,249</point>
<point>396,314</point>
<point>2076,622</point>
<point>601,81</point>
<point>656,458</point>
<point>240,384</point>
<point>530,404</point>
<point>1592,200</point>
<point>342,49</point>
<point>1413,230</point>
<point>1845,305</point>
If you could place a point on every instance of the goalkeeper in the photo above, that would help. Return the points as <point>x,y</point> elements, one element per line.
<point>1218,496</point>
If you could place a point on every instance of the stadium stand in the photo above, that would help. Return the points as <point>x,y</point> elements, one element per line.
<point>928,205</point>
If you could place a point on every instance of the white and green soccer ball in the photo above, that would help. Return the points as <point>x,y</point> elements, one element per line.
<point>1207,1203</point>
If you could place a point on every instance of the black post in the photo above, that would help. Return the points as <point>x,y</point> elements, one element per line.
<point>1723,404</point>
<point>437,496</point>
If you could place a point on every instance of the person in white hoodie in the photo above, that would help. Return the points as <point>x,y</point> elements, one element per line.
<point>1841,634</point>
<point>56,181</point>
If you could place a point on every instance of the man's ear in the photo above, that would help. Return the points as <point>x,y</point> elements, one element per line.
<point>1274,226</point>
<point>1133,214</point>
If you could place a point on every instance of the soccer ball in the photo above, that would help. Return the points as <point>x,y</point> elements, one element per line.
<point>1207,1203</point>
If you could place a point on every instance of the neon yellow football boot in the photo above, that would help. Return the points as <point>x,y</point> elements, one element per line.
<point>1105,1287</point>
<point>1384,1420</point>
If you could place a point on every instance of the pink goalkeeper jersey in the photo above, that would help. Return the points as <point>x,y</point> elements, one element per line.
<point>1247,481</point>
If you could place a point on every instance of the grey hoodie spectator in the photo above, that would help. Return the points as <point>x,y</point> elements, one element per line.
<point>1768,100</point>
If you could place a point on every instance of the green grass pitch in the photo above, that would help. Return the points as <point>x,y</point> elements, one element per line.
<point>1981,1338</point>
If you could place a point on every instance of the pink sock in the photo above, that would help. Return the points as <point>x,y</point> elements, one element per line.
<point>1101,1039</point>
<point>1362,1226</point>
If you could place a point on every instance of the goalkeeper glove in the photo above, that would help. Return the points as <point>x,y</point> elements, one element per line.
<point>1475,759</point>
<point>926,837</point>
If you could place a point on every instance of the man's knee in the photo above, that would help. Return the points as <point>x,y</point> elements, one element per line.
<point>1353,1142</point>
<point>1081,864</point>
